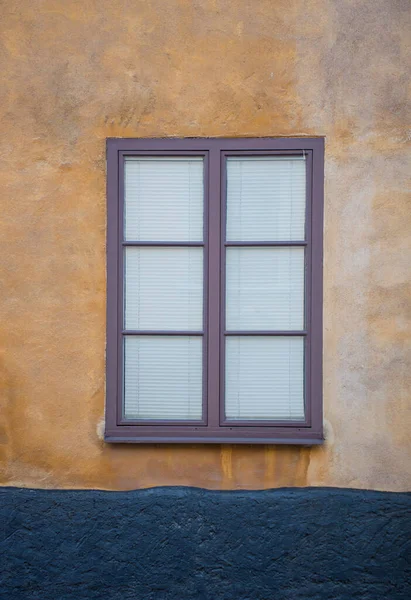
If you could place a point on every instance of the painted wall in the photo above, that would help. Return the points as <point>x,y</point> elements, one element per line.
<point>75,72</point>
<point>174,543</point>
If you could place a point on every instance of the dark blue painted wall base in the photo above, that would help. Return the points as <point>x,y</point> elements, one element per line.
<point>190,544</point>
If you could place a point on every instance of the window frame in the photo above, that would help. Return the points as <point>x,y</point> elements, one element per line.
<point>215,428</point>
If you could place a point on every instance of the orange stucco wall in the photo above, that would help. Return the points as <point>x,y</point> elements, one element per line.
<point>74,72</point>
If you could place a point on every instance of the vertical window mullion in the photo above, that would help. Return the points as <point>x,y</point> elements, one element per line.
<point>214,283</point>
<point>223,284</point>
<point>206,284</point>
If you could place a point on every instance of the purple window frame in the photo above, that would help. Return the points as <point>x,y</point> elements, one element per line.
<point>214,428</point>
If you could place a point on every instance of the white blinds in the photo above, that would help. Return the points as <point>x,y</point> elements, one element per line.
<point>163,199</point>
<point>163,377</point>
<point>163,288</point>
<point>264,375</point>
<point>265,198</point>
<point>265,288</point>
<point>264,378</point>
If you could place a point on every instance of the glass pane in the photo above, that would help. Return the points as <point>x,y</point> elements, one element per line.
<point>163,377</point>
<point>164,288</point>
<point>265,288</point>
<point>163,199</point>
<point>264,378</point>
<point>266,199</point>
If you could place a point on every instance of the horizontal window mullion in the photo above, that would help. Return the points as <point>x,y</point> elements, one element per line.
<point>160,332</point>
<point>162,422</point>
<point>264,243</point>
<point>266,332</point>
<point>162,244</point>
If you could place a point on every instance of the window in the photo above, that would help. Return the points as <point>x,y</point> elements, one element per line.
<point>214,278</point>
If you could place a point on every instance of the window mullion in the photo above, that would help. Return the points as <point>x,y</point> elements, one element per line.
<point>213,309</point>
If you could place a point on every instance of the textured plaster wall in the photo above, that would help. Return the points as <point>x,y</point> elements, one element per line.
<point>174,543</point>
<point>75,72</point>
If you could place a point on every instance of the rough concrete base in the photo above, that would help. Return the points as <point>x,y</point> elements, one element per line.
<point>187,543</point>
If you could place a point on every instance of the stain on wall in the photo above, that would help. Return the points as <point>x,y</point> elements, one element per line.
<point>75,72</point>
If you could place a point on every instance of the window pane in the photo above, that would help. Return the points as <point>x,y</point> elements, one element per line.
<point>265,288</point>
<point>164,288</point>
<point>266,199</point>
<point>163,199</point>
<point>264,378</point>
<point>163,377</point>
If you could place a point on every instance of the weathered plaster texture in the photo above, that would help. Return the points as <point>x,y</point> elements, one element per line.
<point>173,543</point>
<point>75,72</point>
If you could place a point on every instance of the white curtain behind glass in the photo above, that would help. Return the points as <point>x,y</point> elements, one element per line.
<point>265,199</point>
<point>163,288</point>
<point>264,378</point>
<point>264,375</point>
<point>265,288</point>
<point>163,199</point>
<point>163,377</point>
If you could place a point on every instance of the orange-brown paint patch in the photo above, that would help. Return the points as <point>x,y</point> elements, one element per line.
<point>74,73</point>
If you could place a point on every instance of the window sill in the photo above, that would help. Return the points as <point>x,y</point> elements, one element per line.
<point>125,438</point>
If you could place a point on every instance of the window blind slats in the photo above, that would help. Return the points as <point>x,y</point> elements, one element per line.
<point>264,378</point>
<point>265,288</point>
<point>163,199</point>
<point>266,199</point>
<point>163,377</point>
<point>164,288</point>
